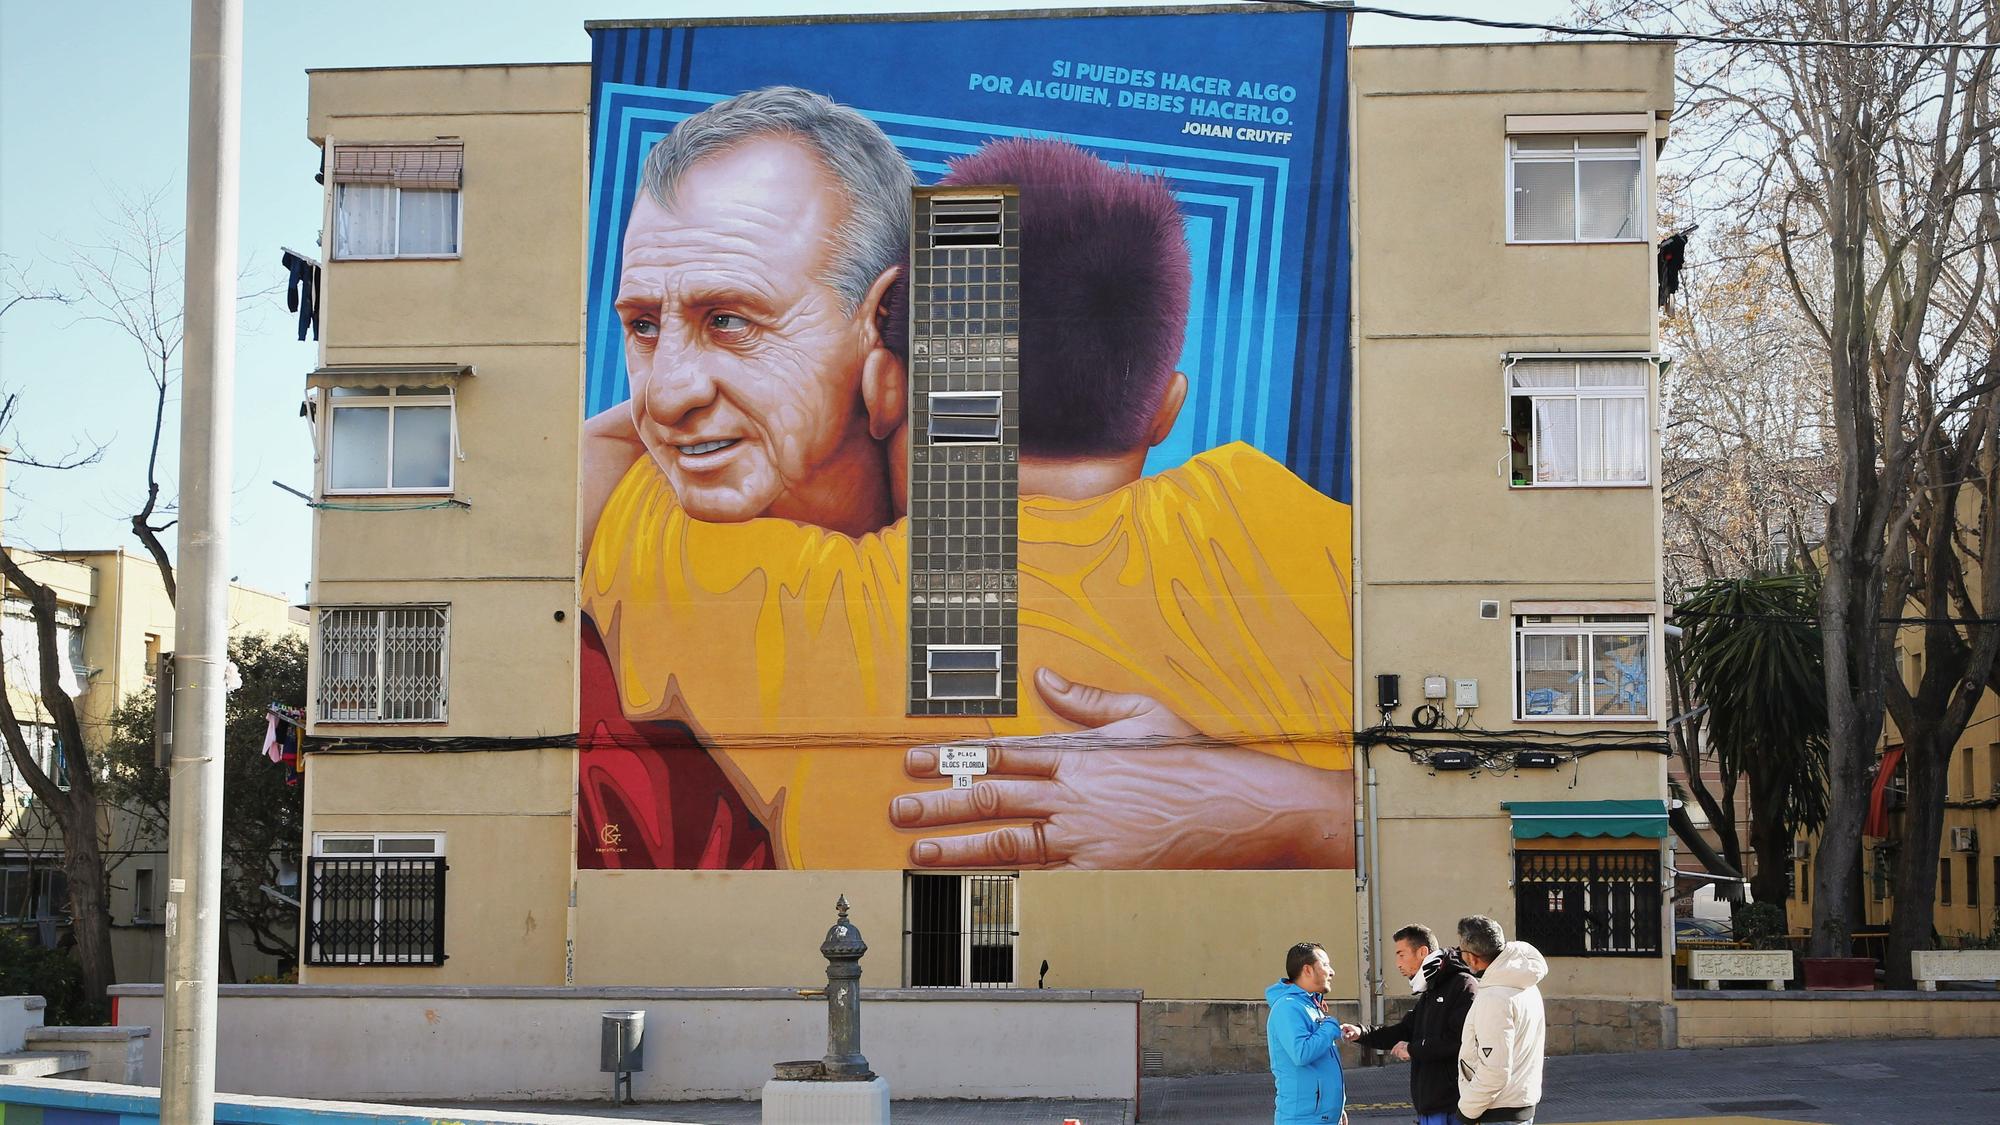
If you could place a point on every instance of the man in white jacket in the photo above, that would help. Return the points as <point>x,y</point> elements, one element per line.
<point>1500,1054</point>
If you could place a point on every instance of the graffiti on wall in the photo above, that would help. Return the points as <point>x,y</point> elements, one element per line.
<point>1183,523</point>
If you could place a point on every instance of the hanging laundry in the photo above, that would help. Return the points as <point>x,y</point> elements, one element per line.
<point>302,291</point>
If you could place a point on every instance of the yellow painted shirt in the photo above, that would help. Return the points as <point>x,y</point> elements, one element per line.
<point>1220,588</point>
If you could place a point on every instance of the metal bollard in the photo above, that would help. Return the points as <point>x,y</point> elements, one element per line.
<point>623,1050</point>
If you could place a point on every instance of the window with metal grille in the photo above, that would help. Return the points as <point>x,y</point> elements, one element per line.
<point>1588,904</point>
<point>965,417</point>
<point>383,664</point>
<point>959,931</point>
<point>33,890</point>
<point>375,900</point>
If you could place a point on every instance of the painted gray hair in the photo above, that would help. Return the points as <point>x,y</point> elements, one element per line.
<point>1481,935</point>
<point>875,232</point>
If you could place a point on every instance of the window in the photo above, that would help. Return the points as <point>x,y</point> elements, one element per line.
<point>152,657</point>
<point>375,899</point>
<point>1589,904</point>
<point>1972,880</point>
<point>1993,767</point>
<point>1944,881</point>
<point>396,201</point>
<point>963,671</point>
<point>33,890</point>
<point>46,750</point>
<point>1965,774</point>
<point>959,931</point>
<point>1583,666</point>
<point>1805,881</point>
<point>1578,422</point>
<point>969,221</point>
<point>383,664</point>
<point>384,439</point>
<point>142,895</point>
<point>965,417</point>
<point>1579,187</point>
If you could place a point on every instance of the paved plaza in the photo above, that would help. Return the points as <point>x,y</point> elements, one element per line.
<point>1890,1082</point>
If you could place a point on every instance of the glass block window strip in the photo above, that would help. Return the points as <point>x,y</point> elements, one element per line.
<point>964,476</point>
<point>383,664</point>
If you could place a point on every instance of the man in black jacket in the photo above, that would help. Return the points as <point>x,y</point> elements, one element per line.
<point>1428,1034</point>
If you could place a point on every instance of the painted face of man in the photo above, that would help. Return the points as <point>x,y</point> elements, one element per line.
<point>745,366</point>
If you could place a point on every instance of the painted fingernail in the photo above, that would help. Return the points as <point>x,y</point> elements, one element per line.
<point>1056,680</point>
<point>927,852</point>
<point>905,810</point>
<point>922,759</point>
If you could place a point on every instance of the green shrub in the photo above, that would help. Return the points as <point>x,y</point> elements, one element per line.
<point>26,969</point>
<point>1761,925</point>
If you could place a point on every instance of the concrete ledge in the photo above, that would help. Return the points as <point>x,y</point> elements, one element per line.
<point>1759,996</point>
<point>43,1064</point>
<point>560,992</point>
<point>114,1054</point>
<point>417,1044</point>
<point>137,1104</point>
<point>1711,1019</point>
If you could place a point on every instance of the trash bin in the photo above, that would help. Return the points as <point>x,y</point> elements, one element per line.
<point>624,1047</point>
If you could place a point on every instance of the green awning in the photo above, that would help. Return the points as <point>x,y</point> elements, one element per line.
<point>1536,819</point>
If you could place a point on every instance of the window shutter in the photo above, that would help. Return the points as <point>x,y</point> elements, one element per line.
<point>434,167</point>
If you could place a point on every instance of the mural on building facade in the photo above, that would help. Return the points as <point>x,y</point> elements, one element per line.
<point>1184,523</point>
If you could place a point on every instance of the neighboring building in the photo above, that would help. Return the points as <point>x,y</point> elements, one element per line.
<point>115,621</point>
<point>1421,298</point>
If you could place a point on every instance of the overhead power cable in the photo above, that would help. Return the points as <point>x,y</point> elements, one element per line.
<point>1645,36</point>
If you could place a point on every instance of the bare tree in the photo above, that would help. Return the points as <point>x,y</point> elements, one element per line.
<point>1865,171</point>
<point>132,282</point>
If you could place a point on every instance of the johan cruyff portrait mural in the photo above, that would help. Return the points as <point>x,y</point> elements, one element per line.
<point>1182,528</point>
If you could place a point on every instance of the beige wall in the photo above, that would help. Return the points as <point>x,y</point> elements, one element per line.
<point>1174,934</point>
<point>510,307</point>
<point>505,816</point>
<point>1441,299</point>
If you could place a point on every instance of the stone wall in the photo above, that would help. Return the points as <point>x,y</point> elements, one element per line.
<point>1736,1019</point>
<point>1180,1037</point>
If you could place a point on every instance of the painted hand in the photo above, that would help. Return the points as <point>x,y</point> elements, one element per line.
<point>1137,788</point>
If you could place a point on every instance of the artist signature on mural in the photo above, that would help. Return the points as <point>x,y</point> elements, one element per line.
<point>1232,133</point>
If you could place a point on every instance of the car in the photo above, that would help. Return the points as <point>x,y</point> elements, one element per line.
<point>1703,929</point>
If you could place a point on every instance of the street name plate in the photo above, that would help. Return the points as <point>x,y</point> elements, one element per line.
<point>962,759</point>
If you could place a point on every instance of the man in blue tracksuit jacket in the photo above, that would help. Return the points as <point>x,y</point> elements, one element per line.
<point>1304,1041</point>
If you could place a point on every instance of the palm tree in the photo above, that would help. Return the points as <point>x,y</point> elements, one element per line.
<point>1751,650</point>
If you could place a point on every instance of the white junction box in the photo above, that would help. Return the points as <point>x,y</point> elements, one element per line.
<point>1465,693</point>
<point>1434,687</point>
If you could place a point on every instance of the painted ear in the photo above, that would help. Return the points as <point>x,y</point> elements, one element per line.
<point>885,387</point>
<point>1169,409</point>
<point>885,392</point>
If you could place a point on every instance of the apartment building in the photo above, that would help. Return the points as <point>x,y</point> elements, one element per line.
<point>591,718</point>
<point>114,622</point>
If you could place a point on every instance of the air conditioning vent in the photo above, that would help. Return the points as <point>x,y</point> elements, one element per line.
<point>1801,849</point>
<point>1965,839</point>
<point>1489,611</point>
<point>971,221</point>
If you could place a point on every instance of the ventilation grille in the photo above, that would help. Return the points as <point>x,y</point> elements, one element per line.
<point>972,221</point>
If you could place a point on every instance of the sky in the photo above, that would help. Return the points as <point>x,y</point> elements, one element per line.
<point>93,115</point>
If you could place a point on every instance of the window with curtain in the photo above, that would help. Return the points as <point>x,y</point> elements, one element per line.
<point>1586,187</point>
<point>389,439</point>
<point>396,201</point>
<point>1583,666</point>
<point>1579,422</point>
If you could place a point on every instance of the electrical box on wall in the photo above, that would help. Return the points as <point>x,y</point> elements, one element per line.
<point>1465,693</point>
<point>1433,687</point>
